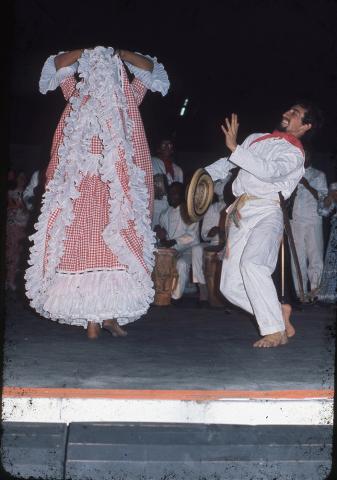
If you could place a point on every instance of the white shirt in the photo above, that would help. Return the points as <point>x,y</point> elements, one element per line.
<point>28,194</point>
<point>305,204</point>
<point>219,185</point>
<point>159,206</point>
<point>159,167</point>
<point>185,235</point>
<point>210,220</point>
<point>267,167</point>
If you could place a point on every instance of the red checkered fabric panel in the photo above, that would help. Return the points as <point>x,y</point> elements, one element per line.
<point>57,139</point>
<point>139,90</point>
<point>68,87</point>
<point>96,145</point>
<point>85,247</point>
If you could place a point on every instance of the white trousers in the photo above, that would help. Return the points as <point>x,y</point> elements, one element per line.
<point>309,244</point>
<point>250,261</point>
<point>187,258</point>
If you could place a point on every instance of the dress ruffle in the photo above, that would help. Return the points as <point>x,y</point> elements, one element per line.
<point>156,81</point>
<point>51,78</point>
<point>94,296</point>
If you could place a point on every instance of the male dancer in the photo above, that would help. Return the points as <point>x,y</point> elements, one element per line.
<point>269,163</point>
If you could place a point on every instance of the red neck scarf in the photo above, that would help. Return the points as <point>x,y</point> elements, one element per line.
<point>169,167</point>
<point>287,136</point>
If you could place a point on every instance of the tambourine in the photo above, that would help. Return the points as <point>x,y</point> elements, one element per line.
<point>199,194</point>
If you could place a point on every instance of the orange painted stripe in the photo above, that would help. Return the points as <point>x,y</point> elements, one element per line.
<point>196,395</point>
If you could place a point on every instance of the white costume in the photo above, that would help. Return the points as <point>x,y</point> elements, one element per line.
<point>219,185</point>
<point>28,194</point>
<point>269,164</point>
<point>159,167</point>
<point>307,230</point>
<point>211,219</point>
<point>188,246</point>
<point>159,206</point>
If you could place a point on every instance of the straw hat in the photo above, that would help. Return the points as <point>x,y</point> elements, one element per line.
<point>199,194</point>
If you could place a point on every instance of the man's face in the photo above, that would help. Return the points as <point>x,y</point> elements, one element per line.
<point>166,147</point>
<point>174,196</point>
<point>292,121</point>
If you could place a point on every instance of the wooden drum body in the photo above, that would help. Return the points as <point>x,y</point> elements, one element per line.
<point>212,270</point>
<point>164,275</point>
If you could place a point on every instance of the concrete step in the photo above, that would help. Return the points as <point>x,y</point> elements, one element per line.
<point>132,451</point>
<point>156,451</point>
<point>34,450</point>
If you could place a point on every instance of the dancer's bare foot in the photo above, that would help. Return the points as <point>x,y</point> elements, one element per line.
<point>113,327</point>
<point>93,330</point>
<point>286,312</point>
<point>272,340</point>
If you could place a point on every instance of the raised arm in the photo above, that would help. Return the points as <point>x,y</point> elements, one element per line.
<point>59,70</point>
<point>68,58</point>
<point>136,59</point>
<point>134,62</point>
<point>288,160</point>
<point>64,60</point>
<point>148,73</point>
<point>220,169</point>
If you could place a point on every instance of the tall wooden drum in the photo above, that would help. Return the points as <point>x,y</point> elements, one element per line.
<point>212,269</point>
<point>164,275</point>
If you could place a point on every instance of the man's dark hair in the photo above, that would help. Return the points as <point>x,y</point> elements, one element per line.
<point>313,115</point>
<point>177,186</point>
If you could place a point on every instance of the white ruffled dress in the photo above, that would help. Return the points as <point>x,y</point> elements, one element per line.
<point>92,253</point>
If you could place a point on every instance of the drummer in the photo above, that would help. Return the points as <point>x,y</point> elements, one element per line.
<point>174,232</point>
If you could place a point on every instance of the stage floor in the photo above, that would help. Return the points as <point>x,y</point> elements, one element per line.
<point>172,354</point>
<point>169,348</point>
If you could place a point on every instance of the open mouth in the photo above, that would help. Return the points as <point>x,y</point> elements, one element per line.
<point>284,122</point>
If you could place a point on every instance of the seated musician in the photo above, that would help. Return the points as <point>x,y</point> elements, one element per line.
<point>210,229</point>
<point>174,232</point>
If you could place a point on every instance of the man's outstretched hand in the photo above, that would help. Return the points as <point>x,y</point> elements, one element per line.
<point>231,131</point>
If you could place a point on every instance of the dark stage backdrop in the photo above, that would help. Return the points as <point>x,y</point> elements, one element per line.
<point>254,57</point>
